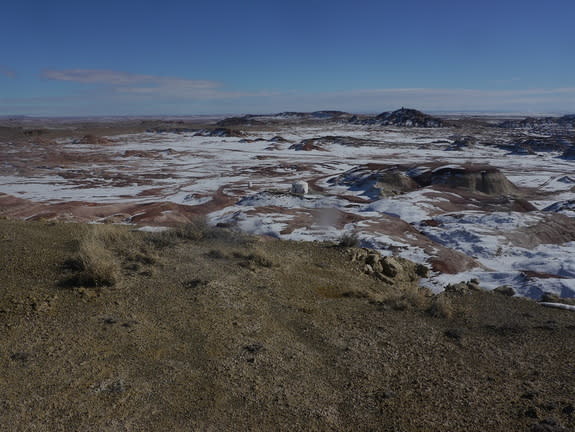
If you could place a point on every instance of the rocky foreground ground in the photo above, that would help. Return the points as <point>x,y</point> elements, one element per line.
<point>107,329</point>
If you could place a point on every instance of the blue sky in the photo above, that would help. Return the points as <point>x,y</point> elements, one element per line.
<point>185,57</point>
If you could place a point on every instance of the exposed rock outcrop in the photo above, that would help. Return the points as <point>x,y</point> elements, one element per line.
<point>391,270</point>
<point>473,178</point>
<point>404,117</point>
<point>377,182</point>
<point>380,180</point>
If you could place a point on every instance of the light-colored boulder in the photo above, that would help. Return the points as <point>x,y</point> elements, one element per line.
<point>300,187</point>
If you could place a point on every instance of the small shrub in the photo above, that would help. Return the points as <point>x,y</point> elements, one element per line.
<point>411,297</point>
<point>196,229</point>
<point>441,307</point>
<point>98,261</point>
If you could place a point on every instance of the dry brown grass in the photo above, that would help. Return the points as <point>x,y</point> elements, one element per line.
<point>441,307</point>
<point>196,230</point>
<point>104,251</point>
<point>410,297</point>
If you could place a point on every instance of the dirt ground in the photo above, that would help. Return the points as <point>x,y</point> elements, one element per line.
<point>220,332</point>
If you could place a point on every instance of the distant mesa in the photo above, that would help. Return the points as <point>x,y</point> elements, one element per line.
<point>404,117</point>
<point>527,123</point>
<point>569,118</point>
<point>247,120</point>
<point>318,115</point>
<point>535,122</point>
<point>296,116</point>
<point>533,145</point>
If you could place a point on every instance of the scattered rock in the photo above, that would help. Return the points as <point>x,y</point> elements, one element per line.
<point>455,333</point>
<point>254,348</point>
<point>390,266</point>
<point>463,288</point>
<point>194,283</point>
<point>22,357</point>
<point>111,386</point>
<point>505,290</point>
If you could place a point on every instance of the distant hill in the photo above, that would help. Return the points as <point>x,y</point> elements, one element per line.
<point>405,117</point>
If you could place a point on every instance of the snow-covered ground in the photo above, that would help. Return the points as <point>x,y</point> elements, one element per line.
<point>257,173</point>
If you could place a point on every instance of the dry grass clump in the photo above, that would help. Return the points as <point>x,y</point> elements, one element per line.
<point>250,260</point>
<point>421,299</point>
<point>197,229</point>
<point>95,261</point>
<point>102,253</point>
<point>409,298</point>
<point>253,259</point>
<point>441,307</point>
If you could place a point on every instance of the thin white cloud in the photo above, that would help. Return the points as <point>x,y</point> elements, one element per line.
<point>7,72</point>
<point>140,85</point>
<point>128,87</point>
<point>113,92</point>
<point>115,78</point>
